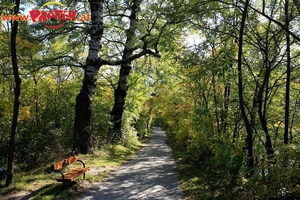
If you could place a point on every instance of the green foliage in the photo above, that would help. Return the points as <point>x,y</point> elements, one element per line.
<point>118,150</point>
<point>198,103</point>
<point>45,123</point>
<point>191,91</point>
<point>281,175</point>
<point>130,134</point>
<point>143,124</point>
<point>107,159</point>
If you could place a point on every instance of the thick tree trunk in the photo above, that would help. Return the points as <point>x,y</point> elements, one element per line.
<point>17,94</point>
<point>248,126</point>
<point>83,142</point>
<point>115,131</point>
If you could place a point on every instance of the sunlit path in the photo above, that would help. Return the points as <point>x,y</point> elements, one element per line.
<point>150,174</point>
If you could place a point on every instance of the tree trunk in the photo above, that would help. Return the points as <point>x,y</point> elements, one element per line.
<point>17,94</point>
<point>293,117</point>
<point>248,126</point>
<point>262,107</point>
<point>83,142</point>
<point>115,131</point>
<point>216,103</point>
<point>226,96</point>
<point>36,100</point>
<point>288,76</point>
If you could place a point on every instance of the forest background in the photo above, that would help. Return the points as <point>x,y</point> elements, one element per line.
<point>221,77</point>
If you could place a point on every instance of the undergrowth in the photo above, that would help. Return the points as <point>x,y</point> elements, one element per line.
<point>221,175</point>
<point>110,158</point>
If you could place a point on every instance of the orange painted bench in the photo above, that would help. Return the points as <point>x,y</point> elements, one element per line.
<point>72,174</point>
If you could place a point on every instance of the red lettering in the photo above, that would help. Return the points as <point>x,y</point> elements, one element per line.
<point>82,18</point>
<point>58,14</point>
<point>52,15</point>
<point>6,17</point>
<point>34,14</point>
<point>88,17</point>
<point>15,18</point>
<point>43,17</point>
<point>72,15</point>
<point>24,17</point>
<point>64,16</point>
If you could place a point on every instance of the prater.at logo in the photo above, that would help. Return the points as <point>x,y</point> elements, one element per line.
<point>50,18</point>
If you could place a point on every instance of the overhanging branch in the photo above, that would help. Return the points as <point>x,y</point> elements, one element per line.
<point>276,22</point>
<point>130,59</point>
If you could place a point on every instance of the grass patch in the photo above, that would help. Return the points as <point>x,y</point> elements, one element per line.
<point>49,189</point>
<point>205,180</point>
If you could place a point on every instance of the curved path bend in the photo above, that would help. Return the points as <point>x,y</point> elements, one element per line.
<point>151,174</point>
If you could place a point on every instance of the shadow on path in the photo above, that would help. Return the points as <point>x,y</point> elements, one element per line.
<point>151,174</point>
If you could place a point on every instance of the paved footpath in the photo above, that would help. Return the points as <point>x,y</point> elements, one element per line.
<point>151,174</point>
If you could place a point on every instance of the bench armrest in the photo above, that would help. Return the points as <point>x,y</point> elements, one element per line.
<point>59,171</point>
<point>81,163</point>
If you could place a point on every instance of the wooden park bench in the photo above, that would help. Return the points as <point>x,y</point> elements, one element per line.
<point>70,175</point>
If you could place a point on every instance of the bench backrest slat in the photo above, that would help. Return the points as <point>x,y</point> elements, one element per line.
<point>60,164</point>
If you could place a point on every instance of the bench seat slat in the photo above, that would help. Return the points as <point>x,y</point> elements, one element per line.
<point>60,164</point>
<point>70,176</point>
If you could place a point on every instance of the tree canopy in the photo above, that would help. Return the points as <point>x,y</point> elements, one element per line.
<point>221,77</point>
